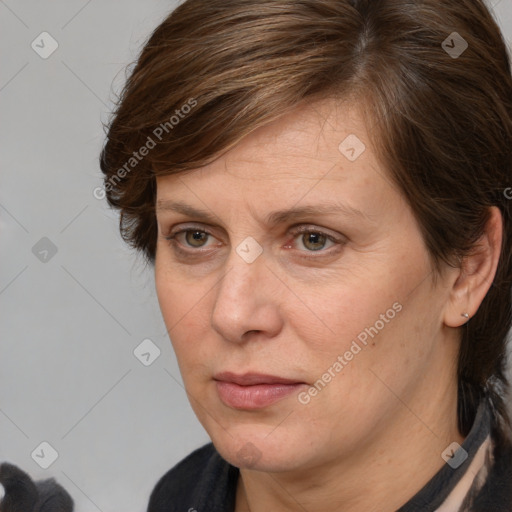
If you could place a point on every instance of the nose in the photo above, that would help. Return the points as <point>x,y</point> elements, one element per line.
<point>247,300</point>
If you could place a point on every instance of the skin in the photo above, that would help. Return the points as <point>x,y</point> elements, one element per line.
<point>373,436</point>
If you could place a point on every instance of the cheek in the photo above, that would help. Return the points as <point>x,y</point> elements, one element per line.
<point>184,307</point>
<point>386,351</point>
<point>179,294</point>
<point>379,324</point>
<point>357,374</point>
<point>335,315</point>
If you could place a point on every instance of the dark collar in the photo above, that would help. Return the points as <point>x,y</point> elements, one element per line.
<point>435,492</point>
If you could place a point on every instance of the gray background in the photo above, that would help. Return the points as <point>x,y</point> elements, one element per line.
<point>70,321</point>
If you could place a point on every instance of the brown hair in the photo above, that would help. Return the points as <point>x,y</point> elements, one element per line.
<point>215,70</point>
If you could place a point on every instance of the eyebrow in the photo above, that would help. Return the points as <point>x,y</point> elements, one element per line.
<point>274,218</point>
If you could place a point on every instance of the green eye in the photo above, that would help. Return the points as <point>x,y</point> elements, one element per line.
<point>316,239</point>
<point>197,239</point>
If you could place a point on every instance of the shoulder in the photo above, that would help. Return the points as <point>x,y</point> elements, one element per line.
<point>496,495</point>
<point>201,481</point>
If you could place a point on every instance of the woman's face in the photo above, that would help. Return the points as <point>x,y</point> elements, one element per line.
<point>338,300</point>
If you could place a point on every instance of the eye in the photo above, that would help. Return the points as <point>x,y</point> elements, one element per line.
<point>192,237</point>
<point>314,240</point>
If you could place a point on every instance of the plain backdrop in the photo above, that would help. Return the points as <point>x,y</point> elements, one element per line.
<point>75,303</point>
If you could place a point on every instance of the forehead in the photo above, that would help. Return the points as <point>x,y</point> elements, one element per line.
<point>318,152</point>
<point>304,143</point>
<point>309,134</point>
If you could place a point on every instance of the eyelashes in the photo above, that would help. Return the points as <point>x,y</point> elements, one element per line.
<point>182,243</point>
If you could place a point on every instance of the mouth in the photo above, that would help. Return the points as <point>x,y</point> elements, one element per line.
<point>253,390</point>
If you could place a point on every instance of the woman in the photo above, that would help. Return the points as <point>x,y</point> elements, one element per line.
<point>322,189</point>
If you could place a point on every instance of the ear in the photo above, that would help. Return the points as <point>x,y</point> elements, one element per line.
<point>476,274</point>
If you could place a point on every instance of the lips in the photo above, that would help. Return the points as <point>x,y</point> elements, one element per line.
<point>253,390</point>
<point>251,379</point>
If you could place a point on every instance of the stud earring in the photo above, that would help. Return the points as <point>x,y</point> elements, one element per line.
<point>465,315</point>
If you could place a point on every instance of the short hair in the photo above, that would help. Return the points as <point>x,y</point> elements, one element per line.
<point>435,82</point>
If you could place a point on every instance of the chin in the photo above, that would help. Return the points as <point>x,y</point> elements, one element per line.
<point>258,450</point>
